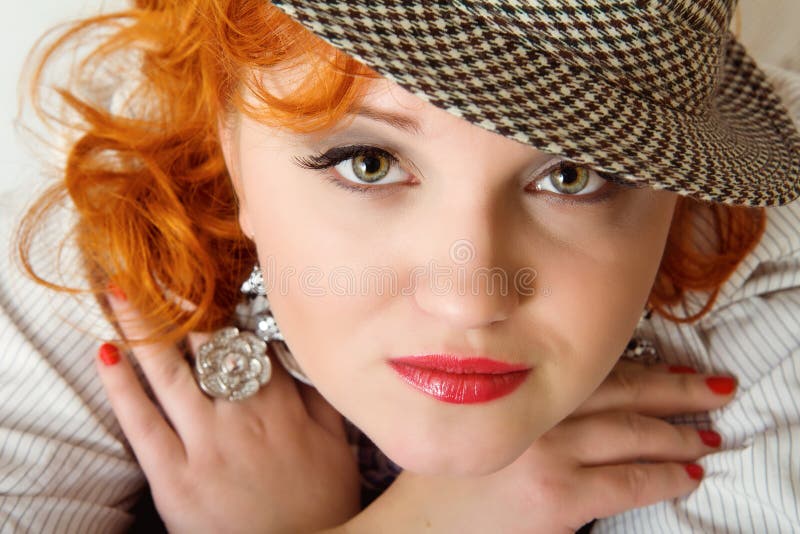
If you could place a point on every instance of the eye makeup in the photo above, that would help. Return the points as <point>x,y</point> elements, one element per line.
<point>333,157</point>
<point>336,155</point>
<point>611,187</point>
<point>329,159</point>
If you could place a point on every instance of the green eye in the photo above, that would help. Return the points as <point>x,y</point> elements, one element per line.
<point>569,178</point>
<point>371,167</point>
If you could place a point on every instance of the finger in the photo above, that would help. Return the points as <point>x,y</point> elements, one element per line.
<point>158,449</point>
<point>656,391</point>
<point>279,378</point>
<point>195,339</point>
<point>167,371</point>
<point>281,383</point>
<point>321,411</point>
<point>610,490</point>
<point>621,437</point>
<point>278,402</point>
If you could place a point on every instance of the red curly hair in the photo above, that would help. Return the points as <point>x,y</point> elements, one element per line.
<point>157,214</point>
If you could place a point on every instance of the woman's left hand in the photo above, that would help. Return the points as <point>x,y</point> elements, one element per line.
<point>275,462</point>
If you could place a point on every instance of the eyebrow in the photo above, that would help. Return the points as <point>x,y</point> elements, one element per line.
<point>395,120</point>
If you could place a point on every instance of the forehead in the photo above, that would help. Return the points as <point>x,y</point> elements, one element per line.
<point>380,92</point>
<point>381,100</point>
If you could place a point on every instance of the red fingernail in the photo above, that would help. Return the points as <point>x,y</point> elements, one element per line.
<point>710,438</point>
<point>694,471</point>
<point>682,369</point>
<point>116,291</point>
<point>108,354</point>
<point>721,385</point>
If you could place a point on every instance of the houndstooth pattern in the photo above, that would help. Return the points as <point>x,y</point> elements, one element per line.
<point>650,63</point>
<point>656,93</point>
<point>703,15</point>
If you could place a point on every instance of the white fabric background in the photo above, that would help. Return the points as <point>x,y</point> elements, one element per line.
<point>769,27</point>
<point>22,23</point>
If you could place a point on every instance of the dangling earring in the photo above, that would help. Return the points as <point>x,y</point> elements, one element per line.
<point>639,348</point>
<point>265,325</point>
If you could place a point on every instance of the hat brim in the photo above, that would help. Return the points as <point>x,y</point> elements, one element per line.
<point>743,149</point>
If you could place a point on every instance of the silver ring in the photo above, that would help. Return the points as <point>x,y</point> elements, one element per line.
<point>232,365</point>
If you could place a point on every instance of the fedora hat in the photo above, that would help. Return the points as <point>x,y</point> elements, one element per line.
<point>656,92</point>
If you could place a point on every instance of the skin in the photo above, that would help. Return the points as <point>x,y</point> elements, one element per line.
<point>594,265</point>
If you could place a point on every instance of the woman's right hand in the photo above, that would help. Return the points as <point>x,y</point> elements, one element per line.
<point>613,454</point>
<point>278,461</point>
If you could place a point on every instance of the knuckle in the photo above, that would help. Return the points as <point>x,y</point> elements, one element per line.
<point>684,385</point>
<point>170,371</point>
<point>549,491</point>
<point>636,429</point>
<point>690,439</point>
<point>636,481</point>
<point>257,429</point>
<point>630,382</point>
<point>208,459</point>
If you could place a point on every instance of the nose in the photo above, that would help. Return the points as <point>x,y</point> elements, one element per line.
<point>483,273</point>
<point>472,285</point>
<point>466,309</point>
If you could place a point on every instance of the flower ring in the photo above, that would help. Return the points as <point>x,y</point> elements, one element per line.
<point>233,365</point>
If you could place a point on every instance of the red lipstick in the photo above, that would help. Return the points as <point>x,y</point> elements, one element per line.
<point>459,380</point>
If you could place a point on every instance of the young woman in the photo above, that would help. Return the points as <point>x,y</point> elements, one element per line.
<point>461,213</point>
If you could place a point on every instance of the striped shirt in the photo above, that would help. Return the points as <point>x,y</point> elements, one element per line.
<point>66,467</point>
<point>753,333</point>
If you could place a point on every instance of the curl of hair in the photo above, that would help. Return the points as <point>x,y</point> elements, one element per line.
<point>157,214</point>
<point>694,263</point>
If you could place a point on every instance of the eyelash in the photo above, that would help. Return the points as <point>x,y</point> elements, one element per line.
<point>334,156</point>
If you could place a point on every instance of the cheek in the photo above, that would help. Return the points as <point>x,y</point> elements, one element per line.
<point>592,293</point>
<point>309,265</point>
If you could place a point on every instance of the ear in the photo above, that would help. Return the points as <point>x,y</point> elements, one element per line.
<point>228,129</point>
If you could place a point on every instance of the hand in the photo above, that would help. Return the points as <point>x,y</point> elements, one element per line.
<point>275,462</point>
<point>611,455</point>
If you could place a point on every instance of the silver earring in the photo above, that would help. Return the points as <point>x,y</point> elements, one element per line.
<point>264,325</point>
<point>234,364</point>
<point>640,348</point>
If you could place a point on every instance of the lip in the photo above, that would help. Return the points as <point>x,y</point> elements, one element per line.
<point>460,380</point>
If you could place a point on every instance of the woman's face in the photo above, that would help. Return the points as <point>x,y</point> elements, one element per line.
<point>463,243</point>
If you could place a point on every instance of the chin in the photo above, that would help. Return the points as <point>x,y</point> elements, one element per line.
<point>463,457</point>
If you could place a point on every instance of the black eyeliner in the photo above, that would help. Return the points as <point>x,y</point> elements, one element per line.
<point>336,155</point>
<point>614,184</point>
